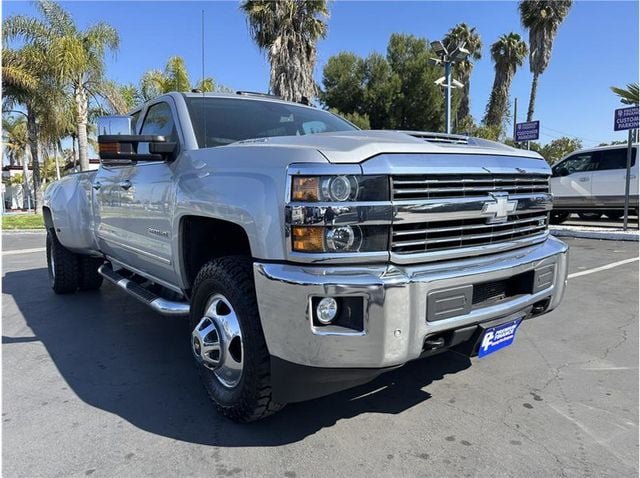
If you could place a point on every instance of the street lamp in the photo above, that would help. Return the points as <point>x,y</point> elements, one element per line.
<point>460,53</point>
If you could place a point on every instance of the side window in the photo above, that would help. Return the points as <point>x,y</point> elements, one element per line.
<point>614,159</point>
<point>158,122</point>
<point>134,121</point>
<point>573,164</point>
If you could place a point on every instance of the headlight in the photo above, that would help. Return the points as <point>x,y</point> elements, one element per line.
<point>339,188</point>
<point>337,239</point>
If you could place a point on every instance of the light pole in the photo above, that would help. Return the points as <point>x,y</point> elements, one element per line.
<point>448,59</point>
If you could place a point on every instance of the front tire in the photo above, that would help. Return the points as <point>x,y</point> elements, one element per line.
<point>227,340</point>
<point>614,215</point>
<point>62,265</point>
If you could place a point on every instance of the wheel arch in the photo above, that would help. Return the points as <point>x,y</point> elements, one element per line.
<point>205,238</point>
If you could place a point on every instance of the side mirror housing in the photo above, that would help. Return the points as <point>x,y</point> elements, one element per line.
<point>114,125</point>
<point>117,148</point>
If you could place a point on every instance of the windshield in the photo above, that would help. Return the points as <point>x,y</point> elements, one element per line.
<point>220,121</point>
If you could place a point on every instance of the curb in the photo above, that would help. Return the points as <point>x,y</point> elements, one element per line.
<point>22,231</point>
<point>591,233</point>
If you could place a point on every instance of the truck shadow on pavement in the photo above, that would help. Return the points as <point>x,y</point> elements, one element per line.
<point>120,357</point>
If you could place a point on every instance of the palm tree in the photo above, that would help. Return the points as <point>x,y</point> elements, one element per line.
<point>542,18</point>
<point>15,142</point>
<point>508,54</point>
<point>462,34</point>
<point>174,78</point>
<point>287,30</point>
<point>76,56</point>
<point>26,83</point>
<point>15,139</point>
<point>629,95</point>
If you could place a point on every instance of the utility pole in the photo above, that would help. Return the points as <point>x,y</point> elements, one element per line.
<point>447,113</point>
<point>447,59</point>
<point>515,118</point>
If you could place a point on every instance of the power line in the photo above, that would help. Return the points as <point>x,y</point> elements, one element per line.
<point>570,134</point>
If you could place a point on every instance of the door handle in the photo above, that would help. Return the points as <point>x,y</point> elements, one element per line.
<point>96,186</point>
<point>126,184</point>
<point>583,179</point>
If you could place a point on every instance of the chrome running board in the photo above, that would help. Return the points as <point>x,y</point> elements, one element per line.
<point>162,306</point>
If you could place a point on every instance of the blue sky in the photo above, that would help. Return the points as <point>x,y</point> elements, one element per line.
<point>596,47</point>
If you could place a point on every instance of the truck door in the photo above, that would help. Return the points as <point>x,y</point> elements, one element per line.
<point>571,181</point>
<point>608,183</point>
<point>147,200</point>
<point>107,205</point>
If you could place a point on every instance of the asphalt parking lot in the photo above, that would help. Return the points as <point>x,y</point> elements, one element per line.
<point>95,384</point>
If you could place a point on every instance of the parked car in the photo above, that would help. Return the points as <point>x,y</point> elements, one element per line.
<point>309,256</point>
<point>591,182</point>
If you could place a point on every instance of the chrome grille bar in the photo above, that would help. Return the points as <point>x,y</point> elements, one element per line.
<point>414,238</point>
<point>453,186</point>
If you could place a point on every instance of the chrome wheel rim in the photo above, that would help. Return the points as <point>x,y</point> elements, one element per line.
<point>216,342</point>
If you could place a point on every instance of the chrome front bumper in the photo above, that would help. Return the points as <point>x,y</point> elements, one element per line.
<point>395,312</point>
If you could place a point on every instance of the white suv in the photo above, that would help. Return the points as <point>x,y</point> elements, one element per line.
<point>592,182</point>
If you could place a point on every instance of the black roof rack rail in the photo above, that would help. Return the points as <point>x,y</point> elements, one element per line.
<point>256,93</point>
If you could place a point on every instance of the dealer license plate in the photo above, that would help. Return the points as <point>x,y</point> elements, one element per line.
<point>498,337</point>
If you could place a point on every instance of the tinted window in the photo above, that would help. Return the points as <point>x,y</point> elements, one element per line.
<point>220,121</point>
<point>614,159</point>
<point>134,121</point>
<point>574,164</point>
<point>158,122</point>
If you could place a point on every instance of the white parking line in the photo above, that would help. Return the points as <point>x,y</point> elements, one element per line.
<point>603,268</point>
<point>24,251</point>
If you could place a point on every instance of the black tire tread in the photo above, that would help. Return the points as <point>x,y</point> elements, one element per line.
<point>257,400</point>
<point>88,277</point>
<point>66,265</point>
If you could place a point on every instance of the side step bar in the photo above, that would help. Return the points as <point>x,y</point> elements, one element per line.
<point>157,303</point>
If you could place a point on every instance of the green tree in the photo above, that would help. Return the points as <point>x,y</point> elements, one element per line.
<point>175,77</point>
<point>463,34</point>
<point>343,83</point>
<point>559,148</point>
<point>542,18</point>
<point>15,140</point>
<point>420,102</point>
<point>76,57</point>
<point>629,95</point>
<point>361,121</point>
<point>508,53</point>
<point>288,30</point>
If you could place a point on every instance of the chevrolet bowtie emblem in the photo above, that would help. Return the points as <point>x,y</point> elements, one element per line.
<point>499,208</point>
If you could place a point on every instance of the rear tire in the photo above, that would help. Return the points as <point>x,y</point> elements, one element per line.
<point>62,265</point>
<point>88,277</point>
<point>245,396</point>
<point>558,217</point>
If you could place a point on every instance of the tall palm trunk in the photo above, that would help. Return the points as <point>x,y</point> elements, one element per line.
<point>82,109</point>
<point>32,132</point>
<point>57,149</point>
<point>463,109</point>
<point>497,109</point>
<point>532,97</point>
<point>25,176</point>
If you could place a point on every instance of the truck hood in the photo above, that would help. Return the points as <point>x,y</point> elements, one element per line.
<point>358,146</point>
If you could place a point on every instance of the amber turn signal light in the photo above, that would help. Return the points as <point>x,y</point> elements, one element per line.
<point>305,188</point>
<point>308,239</point>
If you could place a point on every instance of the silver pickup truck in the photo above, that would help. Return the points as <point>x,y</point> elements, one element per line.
<point>308,255</point>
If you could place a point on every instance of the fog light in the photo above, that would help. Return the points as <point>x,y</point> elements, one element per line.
<point>327,310</point>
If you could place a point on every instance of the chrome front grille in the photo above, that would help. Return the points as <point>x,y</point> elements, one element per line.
<point>421,237</point>
<point>418,187</point>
